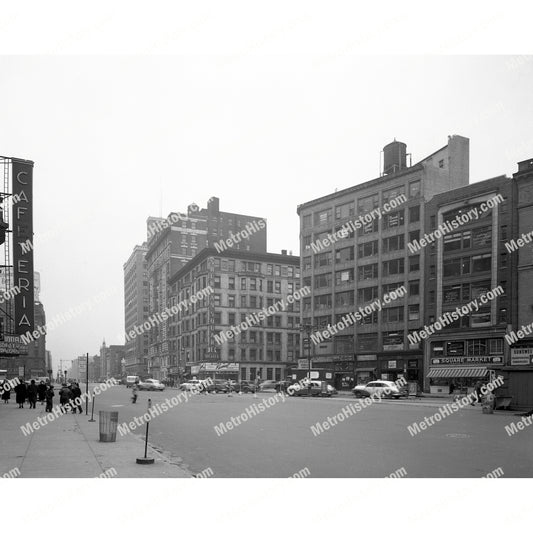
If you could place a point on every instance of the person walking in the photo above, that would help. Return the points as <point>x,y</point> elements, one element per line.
<point>65,395</point>
<point>6,394</point>
<point>76,398</point>
<point>32,394</point>
<point>49,396</point>
<point>41,391</point>
<point>20,394</point>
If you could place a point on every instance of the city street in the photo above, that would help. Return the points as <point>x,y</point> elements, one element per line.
<point>372,443</point>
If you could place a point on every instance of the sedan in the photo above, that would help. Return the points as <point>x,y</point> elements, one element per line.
<point>378,388</point>
<point>151,385</point>
<point>314,388</point>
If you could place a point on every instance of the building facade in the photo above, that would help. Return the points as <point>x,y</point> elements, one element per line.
<point>353,247</point>
<point>174,241</point>
<point>136,310</point>
<point>243,283</point>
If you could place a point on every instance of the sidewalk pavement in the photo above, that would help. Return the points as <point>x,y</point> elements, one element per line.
<point>69,447</point>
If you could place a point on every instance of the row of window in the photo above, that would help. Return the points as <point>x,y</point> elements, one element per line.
<point>258,354</point>
<point>472,347</point>
<point>390,220</point>
<point>364,205</point>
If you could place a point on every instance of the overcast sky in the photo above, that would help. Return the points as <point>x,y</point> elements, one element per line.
<point>118,139</point>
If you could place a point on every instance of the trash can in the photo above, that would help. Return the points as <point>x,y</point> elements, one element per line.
<point>108,421</point>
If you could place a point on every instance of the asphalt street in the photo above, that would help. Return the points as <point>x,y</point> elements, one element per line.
<point>374,442</point>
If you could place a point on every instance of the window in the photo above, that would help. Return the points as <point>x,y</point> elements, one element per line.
<point>218,318</point>
<point>270,286</point>
<point>217,282</point>
<point>414,235</point>
<point>393,244</point>
<point>367,342</point>
<point>307,221</point>
<point>253,284</point>
<point>277,286</point>
<point>344,254</point>
<point>414,263</point>
<point>503,260</point>
<point>243,301</point>
<point>323,301</point>
<point>368,294</point>
<point>323,259</point>
<point>277,270</point>
<point>414,214</point>
<point>390,287</point>
<point>367,249</point>
<point>414,288</point>
<point>414,189</point>
<point>323,280</point>
<point>393,193</point>
<point>323,217</point>
<point>395,266</point>
<point>231,319</point>
<point>344,210</point>
<point>482,237</point>
<point>231,283</point>
<point>306,263</point>
<point>367,272</point>
<point>231,300</point>
<point>344,276</point>
<point>476,347</point>
<point>481,263</point>
<point>393,340</point>
<point>441,163</point>
<point>364,205</point>
<point>414,312</point>
<point>369,228</point>
<point>503,233</point>
<point>393,220</point>
<point>393,314</point>
<point>344,298</point>
<point>243,283</point>
<point>270,268</point>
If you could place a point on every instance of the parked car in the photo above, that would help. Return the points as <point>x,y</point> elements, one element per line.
<point>268,385</point>
<point>152,385</point>
<point>381,387</point>
<point>192,384</point>
<point>313,388</point>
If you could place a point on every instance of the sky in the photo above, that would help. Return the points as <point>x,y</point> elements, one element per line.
<point>116,139</point>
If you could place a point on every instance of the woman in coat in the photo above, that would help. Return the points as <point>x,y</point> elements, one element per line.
<point>20,394</point>
<point>6,394</point>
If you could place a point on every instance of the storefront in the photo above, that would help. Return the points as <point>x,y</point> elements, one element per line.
<point>457,365</point>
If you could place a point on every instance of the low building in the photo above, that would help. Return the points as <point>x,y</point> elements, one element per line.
<point>244,284</point>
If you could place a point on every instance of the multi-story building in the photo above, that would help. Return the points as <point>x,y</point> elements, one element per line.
<point>243,283</point>
<point>468,265</point>
<point>354,251</point>
<point>136,310</point>
<point>172,242</point>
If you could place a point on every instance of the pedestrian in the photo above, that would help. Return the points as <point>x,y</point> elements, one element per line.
<point>49,396</point>
<point>478,392</point>
<point>6,392</point>
<point>20,394</point>
<point>41,391</point>
<point>32,394</point>
<point>65,395</point>
<point>76,393</point>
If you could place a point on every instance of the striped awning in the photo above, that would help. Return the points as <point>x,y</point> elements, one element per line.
<point>458,372</point>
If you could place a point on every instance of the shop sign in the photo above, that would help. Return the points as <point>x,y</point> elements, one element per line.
<point>521,356</point>
<point>468,360</point>
<point>392,364</point>
<point>412,363</point>
<point>370,357</point>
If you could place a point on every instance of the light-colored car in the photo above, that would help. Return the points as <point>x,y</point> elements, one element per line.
<point>193,384</point>
<point>387,389</point>
<point>130,380</point>
<point>152,385</point>
<point>313,388</point>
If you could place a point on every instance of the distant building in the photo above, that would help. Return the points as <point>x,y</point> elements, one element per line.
<point>368,258</point>
<point>111,360</point>
<point>136,310</point>
<point>244,283</point>
<point>174,241</point>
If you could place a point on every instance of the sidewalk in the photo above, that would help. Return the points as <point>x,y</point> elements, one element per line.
<point>69,447</point>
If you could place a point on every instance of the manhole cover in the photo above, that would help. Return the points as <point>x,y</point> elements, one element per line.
<point>458,435</point>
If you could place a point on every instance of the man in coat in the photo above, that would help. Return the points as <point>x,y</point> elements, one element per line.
<point>76,393</point>
<point>65,395</point>
<point>32,394</point>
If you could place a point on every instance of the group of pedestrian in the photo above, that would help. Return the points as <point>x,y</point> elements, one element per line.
<point>44,393</point>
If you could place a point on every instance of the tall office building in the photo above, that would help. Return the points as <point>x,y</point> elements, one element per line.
<point>353,248</point>
<point>136,310</point>
<point>243,284</point>
<point>172,242</point>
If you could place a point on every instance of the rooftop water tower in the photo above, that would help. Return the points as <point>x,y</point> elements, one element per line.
<point>394,157</point>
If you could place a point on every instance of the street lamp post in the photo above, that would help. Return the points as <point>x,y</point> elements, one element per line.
<point>308,328</point>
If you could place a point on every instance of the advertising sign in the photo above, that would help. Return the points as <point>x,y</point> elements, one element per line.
<point>468,360</point>
<point>22,227</point>
<point>521,356</point>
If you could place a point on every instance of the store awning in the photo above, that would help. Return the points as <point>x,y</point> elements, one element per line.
<point>366,369</point>
<point>458,372</point>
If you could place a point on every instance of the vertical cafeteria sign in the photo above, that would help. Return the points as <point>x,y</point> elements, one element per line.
<point>22,226</point>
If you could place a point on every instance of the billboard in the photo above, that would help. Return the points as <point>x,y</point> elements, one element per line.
<point>22,227</point>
